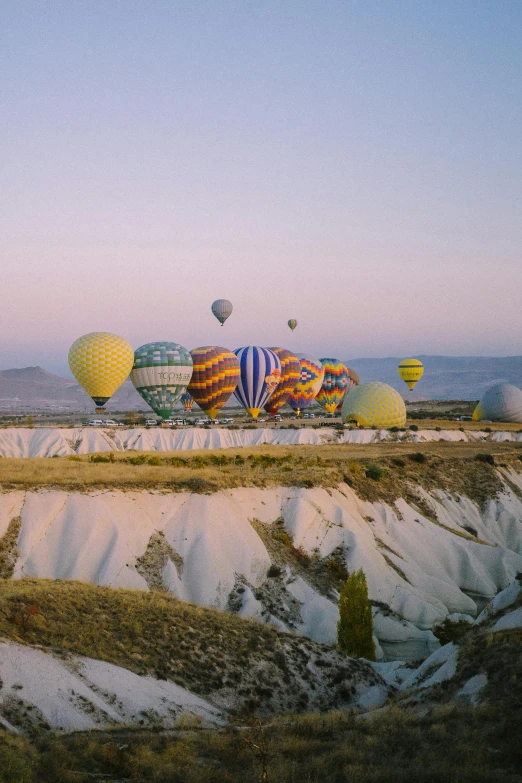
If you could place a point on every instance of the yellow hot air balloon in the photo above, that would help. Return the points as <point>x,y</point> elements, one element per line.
<point>100,362</point>
<point>411,371</point>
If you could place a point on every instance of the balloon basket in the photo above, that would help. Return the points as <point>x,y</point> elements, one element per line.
<point>101,410</point>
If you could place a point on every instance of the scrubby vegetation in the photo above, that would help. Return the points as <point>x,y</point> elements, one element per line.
<point>446,745</point>
<point>383,471</point>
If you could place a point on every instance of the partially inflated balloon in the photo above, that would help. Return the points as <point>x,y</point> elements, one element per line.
<point>310,381</point>
<point>161,373</point>
<point>260,370</point>
<point>335,384</point>
<point>290,373</point>
<point>214,377</point>
<point>187,401</point>
<point>222,308</point>
<point>353,382</point>
<point>411,371</point>
<point>292,323</point>
<point>100,362</point>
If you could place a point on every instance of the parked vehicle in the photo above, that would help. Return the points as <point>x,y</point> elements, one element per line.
<point>111,423</point>
<point>151,423</point>
<point>277,417</point>
<point>227,421</point>
<point>201,422</point>
<point>96,423</point>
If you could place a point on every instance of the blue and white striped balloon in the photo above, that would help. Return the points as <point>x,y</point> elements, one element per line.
<point>260,376</point>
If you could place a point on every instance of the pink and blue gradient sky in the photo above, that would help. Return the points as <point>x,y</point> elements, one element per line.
<point>355,165</point>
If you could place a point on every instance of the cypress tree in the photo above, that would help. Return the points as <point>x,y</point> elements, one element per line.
<point>355,628</point>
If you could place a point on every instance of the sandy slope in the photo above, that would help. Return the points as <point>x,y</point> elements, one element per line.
<point>208,552</point>
<point>52,442</point>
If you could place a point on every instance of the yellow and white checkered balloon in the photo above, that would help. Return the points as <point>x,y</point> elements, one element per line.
<point>374,404</point>
<point>100,362</point>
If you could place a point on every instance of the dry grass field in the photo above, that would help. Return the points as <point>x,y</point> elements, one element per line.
<point>375,471</point>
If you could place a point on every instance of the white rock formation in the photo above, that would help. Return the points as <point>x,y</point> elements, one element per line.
<point>54,442</point>
<point>418,572</point>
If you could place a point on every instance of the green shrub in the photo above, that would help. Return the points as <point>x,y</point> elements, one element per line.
<point>138,459</point>
<point>449,631</point>
<point>413,427</point>
<point>273,571</point>
<point>374,472</point>
<point>417,457</point>
<point>355,626</point>
<point>487,458</point>
<point>154,461</point>
<point>102,457</point>
<point>398,461</point>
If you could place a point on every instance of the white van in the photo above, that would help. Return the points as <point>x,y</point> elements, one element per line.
<point>96,423</point>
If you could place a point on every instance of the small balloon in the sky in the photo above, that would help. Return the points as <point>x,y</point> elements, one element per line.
<point>222,309</point>
<point>292,323</point>
<point>411,371</point>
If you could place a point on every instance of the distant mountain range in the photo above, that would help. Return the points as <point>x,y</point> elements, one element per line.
<point>445,378</point>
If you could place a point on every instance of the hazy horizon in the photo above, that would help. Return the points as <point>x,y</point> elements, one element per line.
<point>356,167</point>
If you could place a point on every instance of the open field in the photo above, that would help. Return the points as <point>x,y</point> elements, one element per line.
<point>396,467</point>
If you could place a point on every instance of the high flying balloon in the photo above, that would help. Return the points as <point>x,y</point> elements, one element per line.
<point>222,309</point>
<point>335,384</point>
<point>290,373</point>
<point>309,383</point>
<point>260,375</point>
<point>411,371</point>
<point>100,362</point>
<point>161,374</point>
<point>214,377</point>
<point>292,323</point>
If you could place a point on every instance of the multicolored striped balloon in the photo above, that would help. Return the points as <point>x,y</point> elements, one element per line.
<point>290,374</point>
<point>161,374</point>
<point>260,374</point>
<point>187,400</point>
<point>335,384</point>
<point>310,381</point>
<point>214,377</point>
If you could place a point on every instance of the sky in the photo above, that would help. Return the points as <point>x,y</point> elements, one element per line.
<point>355,165</point>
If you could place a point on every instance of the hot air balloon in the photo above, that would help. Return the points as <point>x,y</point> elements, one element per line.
<point>292,323</point>
<point>214,377</point>
<point>187,401</point>
<point>335,384</point>
<point>374,404</point>
<point>222,308</point>
<point>352,383</point>
<point>502,402</point>
<point>100,362</point>
<point>310,381</point>
<point>260,375</point>
<point>290,373</point>
<point>411,371</point>
<point>161,374</point>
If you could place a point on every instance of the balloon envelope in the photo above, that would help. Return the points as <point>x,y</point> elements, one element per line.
<point>310,381</point>
<point>411,371</point>
<point>222,308</point>
<point>161,373</point>
<point>260,374</point>
<point>292,323</point>
<point>290,373</point>
<point>374,404</point>
<point>100,362</point>
<point>187,400</point>
<point>502,402</point>
<point>214,377</point>
<point>335,384</point>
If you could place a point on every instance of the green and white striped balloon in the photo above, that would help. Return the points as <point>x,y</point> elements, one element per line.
<point>161,374</point>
